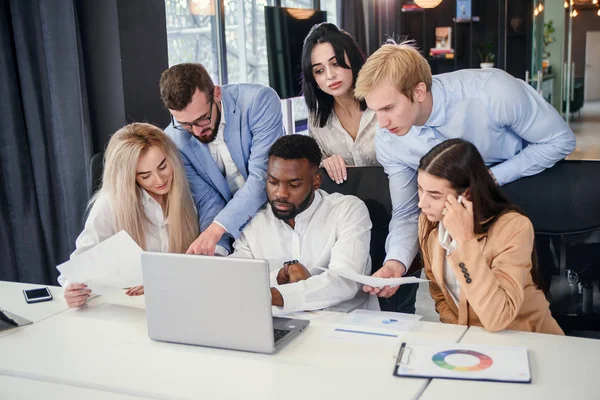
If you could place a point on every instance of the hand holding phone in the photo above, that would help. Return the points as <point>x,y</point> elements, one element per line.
<point>458,219</point>
<point>37,295</point>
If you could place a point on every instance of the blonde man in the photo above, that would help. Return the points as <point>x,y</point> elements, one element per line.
<point>515,130</point>
<point>144,192</point>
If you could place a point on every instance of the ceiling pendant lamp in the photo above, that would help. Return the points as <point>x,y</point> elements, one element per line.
<point>427,3</point>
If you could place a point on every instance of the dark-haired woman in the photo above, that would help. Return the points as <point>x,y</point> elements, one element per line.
<point>477,246</point>
<point>342,126</point>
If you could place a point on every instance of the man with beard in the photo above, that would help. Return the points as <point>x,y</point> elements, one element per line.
<point>302,229</point>
<point>223,134</point>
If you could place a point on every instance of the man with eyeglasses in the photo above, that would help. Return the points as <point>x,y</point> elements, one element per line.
<point>224,134</point>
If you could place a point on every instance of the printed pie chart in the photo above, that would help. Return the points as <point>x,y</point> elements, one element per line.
<point>440,360</point>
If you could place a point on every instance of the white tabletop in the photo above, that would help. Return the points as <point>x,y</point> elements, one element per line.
<point>105,346</point>
<point>12,300</point>
<point>561,368</point>
<point>26,389</point>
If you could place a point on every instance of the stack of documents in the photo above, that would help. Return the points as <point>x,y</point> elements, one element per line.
<point>113,264</point>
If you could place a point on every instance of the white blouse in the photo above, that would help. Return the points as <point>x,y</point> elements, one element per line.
<point>334,139</point>
<point>100,225</point>
<point>450,279</point>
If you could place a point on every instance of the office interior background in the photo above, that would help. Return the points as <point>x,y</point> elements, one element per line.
<point>75,71</point>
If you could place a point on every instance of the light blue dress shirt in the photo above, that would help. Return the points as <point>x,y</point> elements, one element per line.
<point>511,125</point>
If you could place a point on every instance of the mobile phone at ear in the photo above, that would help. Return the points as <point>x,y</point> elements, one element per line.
<point>37,295</point>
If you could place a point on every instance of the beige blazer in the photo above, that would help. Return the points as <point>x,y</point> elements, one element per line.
<point>494,274</point>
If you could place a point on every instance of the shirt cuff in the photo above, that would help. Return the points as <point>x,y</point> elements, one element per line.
<point>390,257</point>
<point>293,298</point>
<point>221,251</point>
<point>273,277</point>
<point>502,173</point>
<point>221,225</point>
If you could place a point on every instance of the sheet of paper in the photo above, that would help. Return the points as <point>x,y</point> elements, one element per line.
<point>371,280</point>
<point>310,315</point>
<point>372,326</point>
<point>113,264</point>
<point>380,320</point>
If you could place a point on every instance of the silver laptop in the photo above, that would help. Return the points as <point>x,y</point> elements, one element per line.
<point>213,301</point>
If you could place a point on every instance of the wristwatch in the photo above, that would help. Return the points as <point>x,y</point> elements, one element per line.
<point>288,263</point>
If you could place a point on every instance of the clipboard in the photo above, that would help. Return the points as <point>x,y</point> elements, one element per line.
<point>463,362</point>
<point>9,320</point>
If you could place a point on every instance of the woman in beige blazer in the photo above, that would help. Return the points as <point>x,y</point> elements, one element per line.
<point>477,246</point>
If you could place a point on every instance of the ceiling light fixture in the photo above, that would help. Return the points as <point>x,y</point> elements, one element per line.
<point>427,3</point>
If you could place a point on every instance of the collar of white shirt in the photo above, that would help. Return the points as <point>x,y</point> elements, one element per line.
<point>146,197</point>
<point>303,219</point>
<point>365,119</point>
<point>446,241</point>
<point>438,110</point>
<point>150,203</point>
<point>221,128</point>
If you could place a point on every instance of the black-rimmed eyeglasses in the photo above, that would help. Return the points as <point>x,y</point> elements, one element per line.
<point>189,126</point>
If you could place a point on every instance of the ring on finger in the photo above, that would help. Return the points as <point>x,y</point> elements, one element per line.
<point>444,211</point>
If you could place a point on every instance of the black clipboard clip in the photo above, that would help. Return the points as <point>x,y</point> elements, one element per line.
<point>403,357</point>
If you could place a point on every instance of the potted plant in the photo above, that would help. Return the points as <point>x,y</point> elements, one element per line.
<point>548,38</point>
<point>486,55</point>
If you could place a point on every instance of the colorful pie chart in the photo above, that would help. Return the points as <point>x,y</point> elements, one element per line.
<point>440,360</point>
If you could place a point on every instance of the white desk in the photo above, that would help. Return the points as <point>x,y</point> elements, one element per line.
<point>105,346</point>
<point>561,368</point>
<point>12,300</point>
<point>27,389</point>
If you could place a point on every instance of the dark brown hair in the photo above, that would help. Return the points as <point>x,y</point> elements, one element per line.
<point>179,83</point>
<point>460,163</point>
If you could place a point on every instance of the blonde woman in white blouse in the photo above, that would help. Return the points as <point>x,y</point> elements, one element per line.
<point>144,192</point>
<point>342,126</point>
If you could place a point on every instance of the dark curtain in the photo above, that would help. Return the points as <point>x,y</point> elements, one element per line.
<point>351,15</point>
<point>45,140</point>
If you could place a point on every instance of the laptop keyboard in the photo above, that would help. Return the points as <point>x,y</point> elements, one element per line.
<point>279,333</point>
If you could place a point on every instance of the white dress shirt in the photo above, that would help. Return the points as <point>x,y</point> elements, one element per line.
<point>333,232</point>
<point>334,139</point>
<point>100,225</point>
<point>220,153</point>
<point>449,245</point>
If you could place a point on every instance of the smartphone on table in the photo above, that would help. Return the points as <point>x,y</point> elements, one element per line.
<point>37,295</point>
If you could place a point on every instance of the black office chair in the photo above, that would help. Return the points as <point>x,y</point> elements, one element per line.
<point>96,170</point>
<point>370,184</point>
<point>563,204</point>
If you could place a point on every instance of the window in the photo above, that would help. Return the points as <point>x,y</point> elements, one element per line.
<point>191,34</point>
<point>246,41</point>
<point>192,31</point>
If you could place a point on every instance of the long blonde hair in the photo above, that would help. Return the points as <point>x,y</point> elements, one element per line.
<point>119,184</point>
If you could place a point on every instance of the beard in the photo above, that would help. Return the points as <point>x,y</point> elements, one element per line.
<point>294,210</point>
<point>210,137</point>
